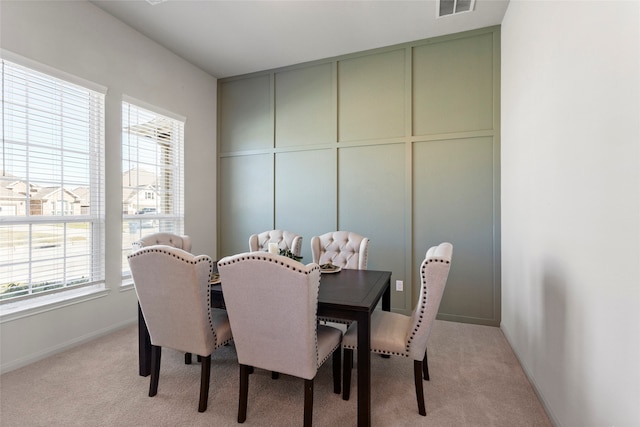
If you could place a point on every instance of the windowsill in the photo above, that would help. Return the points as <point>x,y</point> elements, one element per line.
<point>29,307</point>
<point>127,285</point>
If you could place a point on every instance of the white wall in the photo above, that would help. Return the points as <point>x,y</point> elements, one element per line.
<point>79,38</point>
<point>571,205</point>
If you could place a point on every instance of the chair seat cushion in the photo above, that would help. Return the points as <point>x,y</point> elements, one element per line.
<point>220,323</point>
<point>328,340</point>
<point>388,333</point>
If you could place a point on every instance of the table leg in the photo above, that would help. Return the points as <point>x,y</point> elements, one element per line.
<point>386,299</point>
<point>144,346</point>
<point>364,370</point>
<point>386,306</point>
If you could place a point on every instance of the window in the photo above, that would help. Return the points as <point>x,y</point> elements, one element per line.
<point>51,184</point>
<point>454,7</point>
<point>152,175</point>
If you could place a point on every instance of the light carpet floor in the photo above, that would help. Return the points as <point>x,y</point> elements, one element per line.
<point>475,381</point>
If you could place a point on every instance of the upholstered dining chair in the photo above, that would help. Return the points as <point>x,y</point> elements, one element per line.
<point>272,336</point>
<point>285,240</point>
<point>168,239</point>
<point>162,238</point>
<point>400,335</point>
<point>173,290</point>
<point>343,249</point>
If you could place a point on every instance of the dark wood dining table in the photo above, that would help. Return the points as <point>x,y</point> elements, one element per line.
<point>348,294</point>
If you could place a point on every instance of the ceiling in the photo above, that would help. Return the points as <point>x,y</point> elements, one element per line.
<point>228,38</point>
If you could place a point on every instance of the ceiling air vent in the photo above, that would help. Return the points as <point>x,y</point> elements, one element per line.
<point>453,7</point>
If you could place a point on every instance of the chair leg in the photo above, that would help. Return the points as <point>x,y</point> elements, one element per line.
<point>346,373</point>
<point>417,376</point>
<point>308,403</point>
<point>187,358</point>
<point>156,353</point>
<point>425,366</point>
<point>337,365</point>
<point>204,383</point>
<point>244,393</point>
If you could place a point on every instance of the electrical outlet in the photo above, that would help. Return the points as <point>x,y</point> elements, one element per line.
<point>399,285</point>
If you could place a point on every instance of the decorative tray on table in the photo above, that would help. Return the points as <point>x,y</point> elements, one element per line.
<point>329,268</point>
<point>215,278</point>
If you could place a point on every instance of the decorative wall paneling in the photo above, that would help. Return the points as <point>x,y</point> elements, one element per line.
<point>399,144</point>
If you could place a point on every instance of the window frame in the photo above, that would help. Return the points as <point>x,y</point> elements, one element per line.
<point>164,215</point>
<point>95,217</point>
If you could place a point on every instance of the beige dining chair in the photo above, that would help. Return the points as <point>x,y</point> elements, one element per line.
<point>344,249</point>
<point>173,290</point>
<point>399,335</point>
<point>285,240</point>
<point>272,302</point>
<point>163,238</point>
<point>168,239</point>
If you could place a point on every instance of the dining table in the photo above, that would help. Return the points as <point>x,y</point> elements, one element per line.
<point>347,294</point>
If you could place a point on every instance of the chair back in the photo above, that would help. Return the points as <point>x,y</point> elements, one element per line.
<point>173,290</point>
<point>285,240</point>
<point>434,272</point>
<point>272,302</point>
<point>168,239</point>
<point>343,248</point>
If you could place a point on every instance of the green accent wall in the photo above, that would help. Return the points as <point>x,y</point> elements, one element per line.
<point>399,144</point>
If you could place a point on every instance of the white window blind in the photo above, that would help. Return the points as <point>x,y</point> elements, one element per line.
<point>152,175</point>
<point>51,184</point>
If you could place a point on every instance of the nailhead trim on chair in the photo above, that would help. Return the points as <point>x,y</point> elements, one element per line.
<point>209,306</point>
<point>319,363</point>
<point>335,320</point>
<point>328,354</point>
<point>196,261</point>
<point>377,351</point>
<point>413,333</point>
<point>259,257</point>
<point>152,249</point>
<point>424,292</point>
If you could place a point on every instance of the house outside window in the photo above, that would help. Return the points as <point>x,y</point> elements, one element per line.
<point>152,174</point>
<point>51,182</point>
